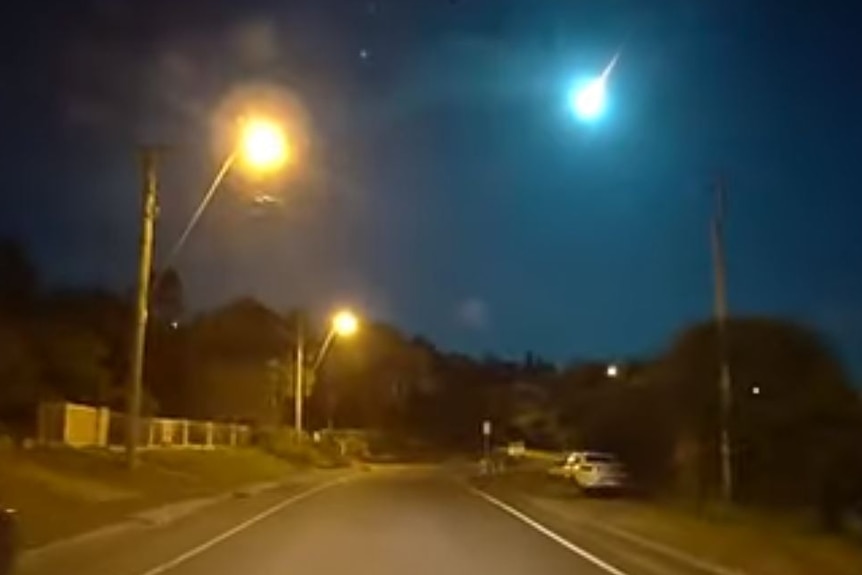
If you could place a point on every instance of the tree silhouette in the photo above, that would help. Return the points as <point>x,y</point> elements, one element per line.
<point>19,279</point>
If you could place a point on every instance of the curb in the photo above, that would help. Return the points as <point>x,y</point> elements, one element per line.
<point>256,488</point>
<point>171,512</point>
<point>36,553</point>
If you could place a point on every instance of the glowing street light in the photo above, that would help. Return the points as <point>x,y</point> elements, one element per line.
<point>263,145</point>
<point>589,101</point>
<point>345,323</point>
<point>612,370</point>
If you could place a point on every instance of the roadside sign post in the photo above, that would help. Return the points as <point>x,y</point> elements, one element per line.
<point>486,440</point>
<point>8,541</point>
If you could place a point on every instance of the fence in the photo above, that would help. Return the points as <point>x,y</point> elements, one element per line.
<point>85,426</point>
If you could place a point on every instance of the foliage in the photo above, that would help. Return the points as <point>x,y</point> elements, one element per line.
<point>52,345</point>
<point>73,362</point>
<point>375,378</point>
<point>19,371</point>
<point>229,352</point>
<point>244,330</point>
<point>791,400</point>
<point>795,421</point>
<point>533,417</point>
<point>283,443</point>
<point>103,319</point>
<point>19,279</point>
<point>168,298</point>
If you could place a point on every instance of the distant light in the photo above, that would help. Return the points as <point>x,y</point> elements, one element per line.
<point>175,324</point>
<point>612,370</point>
<point>364,54</point>
<point>755,390</point>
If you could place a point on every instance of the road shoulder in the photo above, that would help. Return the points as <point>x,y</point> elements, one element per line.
<point>651,532</point>
<point>136,545</point>
<point>632,554</point>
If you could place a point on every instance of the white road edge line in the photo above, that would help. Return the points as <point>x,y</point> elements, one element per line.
<point>195,551</point>
<point>556,537</point>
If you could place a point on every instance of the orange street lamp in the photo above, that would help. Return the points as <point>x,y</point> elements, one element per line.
<point>343,324</point>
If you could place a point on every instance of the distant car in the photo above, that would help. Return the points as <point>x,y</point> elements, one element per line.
<point>591,470</point>
<point>516,449</point>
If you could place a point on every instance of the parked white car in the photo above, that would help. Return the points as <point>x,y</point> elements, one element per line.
<point>592,470</point>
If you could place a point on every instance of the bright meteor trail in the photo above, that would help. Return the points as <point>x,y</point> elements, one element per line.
<point>588,102</point>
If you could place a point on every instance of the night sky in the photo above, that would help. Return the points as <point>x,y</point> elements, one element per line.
<point>445,185</point>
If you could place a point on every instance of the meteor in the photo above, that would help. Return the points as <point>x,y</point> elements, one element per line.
<point>588,101</point>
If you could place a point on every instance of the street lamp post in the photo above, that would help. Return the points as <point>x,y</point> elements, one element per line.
<point>264,148</point>
<point>299,379</point>
<point>344,324</point>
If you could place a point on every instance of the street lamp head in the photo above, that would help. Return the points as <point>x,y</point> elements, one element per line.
<point>263,145</point>
<point>345,323</point>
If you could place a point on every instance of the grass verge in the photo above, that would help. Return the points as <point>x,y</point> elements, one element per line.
<point>61,492</point>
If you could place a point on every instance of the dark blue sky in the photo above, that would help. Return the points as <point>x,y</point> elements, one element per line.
<point>446,187</point>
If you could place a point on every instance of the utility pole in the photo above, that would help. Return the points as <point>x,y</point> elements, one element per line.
<point>720,308</point>
<point>149,165</point>
<point>299,387</point>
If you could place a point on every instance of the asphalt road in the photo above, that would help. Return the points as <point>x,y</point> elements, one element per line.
<point>416,521</point>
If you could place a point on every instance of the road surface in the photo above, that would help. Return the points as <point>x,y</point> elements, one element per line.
<point>393,522</point>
